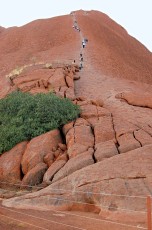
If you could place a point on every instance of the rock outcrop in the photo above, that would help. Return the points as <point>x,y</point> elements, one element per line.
<point>102,160</point>
<point>136,99</point>
<point>10,164</point>
<point>38,148</point>
<point>89,187</point>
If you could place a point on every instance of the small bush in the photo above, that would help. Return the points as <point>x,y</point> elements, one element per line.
<point>24,116</point>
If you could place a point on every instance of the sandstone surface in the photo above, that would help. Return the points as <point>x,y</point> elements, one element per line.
<point>123,174</point>
<point>108,149</point>
<point>35,175</point>
<point>10,163</point>
<point>37,149</point>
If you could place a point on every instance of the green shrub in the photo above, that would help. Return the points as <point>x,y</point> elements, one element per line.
<point>24,116</point>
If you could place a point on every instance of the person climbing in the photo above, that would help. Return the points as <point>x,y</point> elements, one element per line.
<point>81,57</point>
<point>81,65</point>
<point>83,44</point>
<point>78,29</point>
<point>86,40</point>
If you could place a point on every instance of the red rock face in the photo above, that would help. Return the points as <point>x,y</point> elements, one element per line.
<point>38,148</point>
<point>10,163</point>
<point>113,50</point>
<point>107,149</point>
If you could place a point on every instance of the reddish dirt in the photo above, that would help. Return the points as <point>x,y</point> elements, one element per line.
<point>16,219</point>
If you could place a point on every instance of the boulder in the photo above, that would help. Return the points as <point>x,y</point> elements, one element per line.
<point>97,102</point>
<point>52,170</point>
<point>79,139</point>
<point>74,164</point>
<point>49,158</point>
<point>123,176</point>
<point>80,121</point>
<point>69,81</point>
<point>38,148</point>
<point>70,93</point>
<point>83,135</point>
<point>127,142</point>
<point>105,150</point>
<point>63,156</point>
<point>67,127</point>
<point>10,163</point>
<point>76,149</point>
<point>63,147</point>
<point>89,111</point>
<point>103,130</point>
<point>33,75</point>
<point>35,175</point>
<point>57,79</point>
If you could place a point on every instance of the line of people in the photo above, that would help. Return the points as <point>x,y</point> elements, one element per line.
<point>84,42</point>
<point>75,26</point>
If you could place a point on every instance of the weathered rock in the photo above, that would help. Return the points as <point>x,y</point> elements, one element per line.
<point>10,161</point>
<point>76,149</point>
<point>134,98</point>
<point>79,139</point>
<point>97,102</point>
<point>81,98</point>
<point>89,111</point>
<point>67,127</point>
<point>52,170</point>
<point>76,77</point>
<point>57,153</point>
<point>57,79</point>
<point>123,126</point>
<point>143,137</point>
<point>70,93</point>
<point>63,156</point>
<point>69,81</point>
<point>35,175</point>
<point>34,75</point>
<point>83,135</point>
<point>103,130</point>
<point>105,150</point>
<point>49,158</point>
<point>127,142</point>
<point>81,121</point>
<point>123,174</point>
<point>74,164</point>
<point>62,146</point>
<point>38,147</point>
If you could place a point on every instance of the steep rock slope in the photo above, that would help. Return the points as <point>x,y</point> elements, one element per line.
<point>108,149</point>
<point>41,41</point>
<point>113,50</point>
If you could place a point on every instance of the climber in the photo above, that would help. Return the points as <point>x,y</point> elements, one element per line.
<point>83,44</point>
<point>81,57</point>
<point>86,40</point>
<point>81,66</point>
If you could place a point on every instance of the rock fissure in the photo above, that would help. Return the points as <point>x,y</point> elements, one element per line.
<point>93,156</point>
<point>117,143</point>
<point>137,139</point>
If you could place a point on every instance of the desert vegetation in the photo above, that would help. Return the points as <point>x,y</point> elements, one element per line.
<point>24,116</point>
